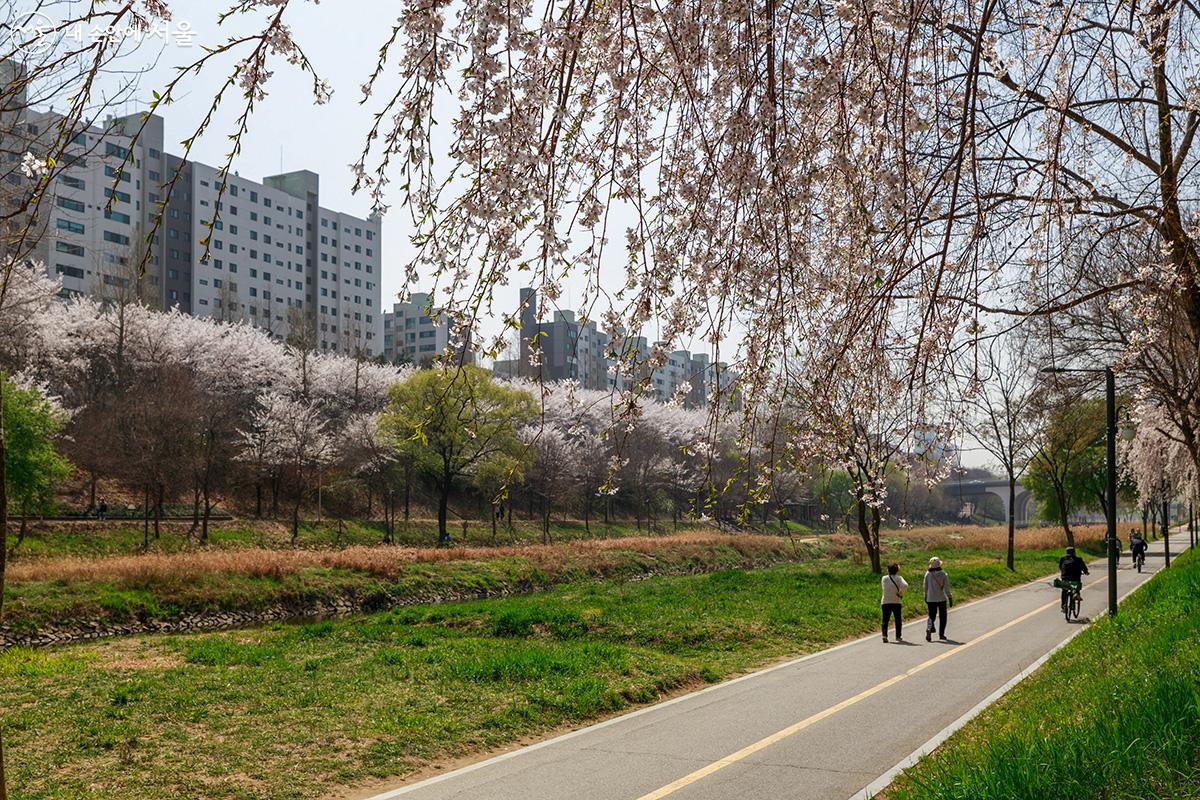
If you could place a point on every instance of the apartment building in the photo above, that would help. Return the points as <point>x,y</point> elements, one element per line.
<point>576,350</point>
<point>412,336</point>
<point>276,258</point>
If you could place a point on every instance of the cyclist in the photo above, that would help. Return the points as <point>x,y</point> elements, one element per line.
<point>1137,546</point>
<point>1071,568</point>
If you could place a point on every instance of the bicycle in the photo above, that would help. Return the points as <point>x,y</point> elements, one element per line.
<point>1074,598</point>
<point>1139,558</point>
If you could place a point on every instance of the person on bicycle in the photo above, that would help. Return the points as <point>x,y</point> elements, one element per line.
<point>1137,545</point>
<point>1071,568</point>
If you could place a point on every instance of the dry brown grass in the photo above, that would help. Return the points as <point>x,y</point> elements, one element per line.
<point>386,561</point>
<point>382,561</point>
<point>996,537</point>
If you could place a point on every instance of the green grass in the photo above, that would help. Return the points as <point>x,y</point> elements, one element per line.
<point>32,605</point>
<point>1115,714</point>
<point>296,711</point>
<point>90,539</point>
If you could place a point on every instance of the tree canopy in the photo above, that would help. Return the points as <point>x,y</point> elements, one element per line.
<point>456,423</point>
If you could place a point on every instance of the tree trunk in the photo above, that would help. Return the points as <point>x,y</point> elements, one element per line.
<point>864,531</point>
<point>496,512</point>
<point>1145,514</point>
<point>91,492</point>
<point>195,510</point>
<point>546,518</point>
<point>258,499</point>
<point>370,498</point>
<point>1012,521</point>
<point>1063,511</point>
<point>443,509</point>
<point>207,515</point>
<point>274,495</point>
<point>296,518</point>
<point>587,512</point>
<point>877,560</point>
<point>407,492</point>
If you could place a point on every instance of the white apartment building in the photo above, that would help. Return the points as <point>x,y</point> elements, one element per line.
<point>276,258</point>
<point>347,291</point>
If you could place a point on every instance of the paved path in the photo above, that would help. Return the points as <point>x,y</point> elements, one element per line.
<point>824,726</point>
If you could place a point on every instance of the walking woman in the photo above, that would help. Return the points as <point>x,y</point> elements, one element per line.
<point>893,589</point>
<point>937,597</point>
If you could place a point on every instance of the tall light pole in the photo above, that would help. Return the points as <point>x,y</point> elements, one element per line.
<point>1110,396</point>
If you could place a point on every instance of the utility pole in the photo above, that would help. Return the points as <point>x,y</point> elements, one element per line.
<point>1110,397</point>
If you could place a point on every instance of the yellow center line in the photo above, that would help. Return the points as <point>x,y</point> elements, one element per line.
<point>791,730</point>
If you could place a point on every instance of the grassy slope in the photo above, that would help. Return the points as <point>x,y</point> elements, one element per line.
<point>43,592</point>
<point>91,539</point>
<point>1115,714</point>
<point>164,586</point>
<point>294,711</point>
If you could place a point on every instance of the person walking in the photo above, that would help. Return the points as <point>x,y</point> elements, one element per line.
<point>937,598</point>
<point>893,590</point>
<point>102,509</point>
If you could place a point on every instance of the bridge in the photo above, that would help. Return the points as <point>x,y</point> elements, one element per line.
<point>974,491</point>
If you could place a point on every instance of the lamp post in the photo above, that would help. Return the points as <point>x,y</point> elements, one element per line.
<point>1110,396</point>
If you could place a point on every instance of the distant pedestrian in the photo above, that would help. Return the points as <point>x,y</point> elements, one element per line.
<point>937,598</point>
<point>893,590</point>
<point>102,509</point>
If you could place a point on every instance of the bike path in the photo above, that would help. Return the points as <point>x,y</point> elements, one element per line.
<point>823,726</point>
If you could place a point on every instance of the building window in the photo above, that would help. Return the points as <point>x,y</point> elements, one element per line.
<point>69,204</point>
<point>122,196</point>
<point>116,238</point>
<point>116,215</point>
<point>111,149</point>
<point>71,272</point>
<point>73,182</point>
<point>71,227</point>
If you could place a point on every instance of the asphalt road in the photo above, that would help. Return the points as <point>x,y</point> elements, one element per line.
<point>825,726</point>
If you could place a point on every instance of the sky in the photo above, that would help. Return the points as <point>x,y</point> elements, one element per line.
<point>289,130</point>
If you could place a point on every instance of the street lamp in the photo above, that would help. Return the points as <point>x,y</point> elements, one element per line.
<point>1110,396</point>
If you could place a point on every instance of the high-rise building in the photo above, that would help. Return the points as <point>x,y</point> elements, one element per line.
<point>569,349</point>
<point>276,257</point>
<point>412,336</point>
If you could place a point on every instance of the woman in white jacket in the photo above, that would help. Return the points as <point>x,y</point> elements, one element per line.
<point>893,591</point>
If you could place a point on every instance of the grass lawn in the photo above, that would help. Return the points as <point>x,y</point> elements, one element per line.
<point>92,539</point>
<point>300,710</point>
<point>1115,714</point>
